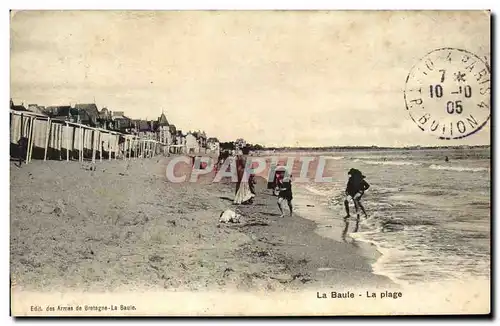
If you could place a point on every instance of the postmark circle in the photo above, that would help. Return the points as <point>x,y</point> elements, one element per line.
<point>447,93</point>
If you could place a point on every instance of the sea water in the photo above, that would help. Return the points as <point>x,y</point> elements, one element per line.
<point>430,219</point>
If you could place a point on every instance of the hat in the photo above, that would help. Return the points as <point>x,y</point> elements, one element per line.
<point>354,171</point>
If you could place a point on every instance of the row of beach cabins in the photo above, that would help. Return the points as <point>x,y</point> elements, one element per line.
<point>84,132</point>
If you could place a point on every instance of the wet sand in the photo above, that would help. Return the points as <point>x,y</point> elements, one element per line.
<point>125,227</point>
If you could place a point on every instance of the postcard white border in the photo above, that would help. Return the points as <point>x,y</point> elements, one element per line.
<point>191,4</point>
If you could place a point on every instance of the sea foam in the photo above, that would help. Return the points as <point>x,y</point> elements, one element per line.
<point>457,168</point>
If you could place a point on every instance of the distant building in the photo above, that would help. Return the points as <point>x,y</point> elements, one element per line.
<point>202,140</point>
<point>144,129</point>
<point>172,132</point>
<point>172,129</point>
<point>180,138</point>
<point>17,107</point>
<point>163,130</point>
<point>180,141</point>
<point>67,113</point>
<point>240,143</point>
<point>92,112</point>
<point>37,109</point>
<point>105,120</point>
<point>52,110</point>
<point>213,145</point>
<point>192,144</point>
<point>121,122</point>
<point>63,112</point>
<point>105,114</point>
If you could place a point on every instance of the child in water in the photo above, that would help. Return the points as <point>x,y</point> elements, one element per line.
<point>356,186</point>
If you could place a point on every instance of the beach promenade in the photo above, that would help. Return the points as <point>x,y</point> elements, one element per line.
<point>125,226</point>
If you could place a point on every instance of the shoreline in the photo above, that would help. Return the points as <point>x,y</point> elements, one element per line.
<point>336,221</point>
<point>124,226</point>
<point>328,261</point>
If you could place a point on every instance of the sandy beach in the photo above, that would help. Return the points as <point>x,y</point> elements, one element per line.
<point>360,109</point>
<point>125,227</point>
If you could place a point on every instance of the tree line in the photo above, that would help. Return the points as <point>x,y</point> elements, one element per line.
<point>233,145</point>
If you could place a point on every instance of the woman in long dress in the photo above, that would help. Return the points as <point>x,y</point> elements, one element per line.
<point>243,193</point>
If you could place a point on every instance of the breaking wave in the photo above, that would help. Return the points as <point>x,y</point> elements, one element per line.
<point>388,162</point>
<point>457,168</point>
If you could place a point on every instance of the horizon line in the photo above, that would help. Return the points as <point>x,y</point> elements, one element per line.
<point>368,146</point>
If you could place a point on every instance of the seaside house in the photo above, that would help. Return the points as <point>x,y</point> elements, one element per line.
<point>104,114</point>
<point>213,145</point>
<point>163,130</point>
<point>37,109</point>
<point>91,111</point>
<point>192,143</point>
<point>121,122</point>
<point>67,113</point>
<point>17,107</point>
<point>201,138</point>
<point>179,137</point>
<point>180,140</point>
<point>183,142</point>
<point>144,129</point>
<point>153,126</point>
<point>139,125</point>
<point>105,121</point>
<point>52,110</point>
<point>172,131</point>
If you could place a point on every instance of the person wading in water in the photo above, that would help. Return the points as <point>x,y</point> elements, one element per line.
<point>356,187</point>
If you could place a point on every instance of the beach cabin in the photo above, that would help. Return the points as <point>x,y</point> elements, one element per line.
<point>58,138</point>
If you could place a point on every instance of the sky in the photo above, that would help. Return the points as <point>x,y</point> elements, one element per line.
<point>277,78</point>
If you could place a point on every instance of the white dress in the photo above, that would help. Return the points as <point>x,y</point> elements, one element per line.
<point>243,193</point>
